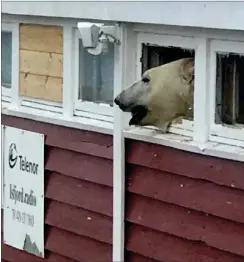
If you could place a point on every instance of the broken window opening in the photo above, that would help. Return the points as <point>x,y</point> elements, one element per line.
<point>229,89</point>
<point>154,55</point>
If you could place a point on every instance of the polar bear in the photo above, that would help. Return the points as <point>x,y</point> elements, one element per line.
<point>163,96</point>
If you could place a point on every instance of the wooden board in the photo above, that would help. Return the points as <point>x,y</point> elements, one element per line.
<point>79,248</point>
<point>179,201</point>
<point>79,221</point>
<point>191,193</point>
<point>80,193</point>
<point>165,247</point>
<point>41,38</point>
<point>220,171</point>
<point>44,87</point>
<point>185,223</point>
<point>80,163</point>
<point>41,63</point>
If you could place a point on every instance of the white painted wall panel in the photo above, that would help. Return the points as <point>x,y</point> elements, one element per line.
<point>222,15</point>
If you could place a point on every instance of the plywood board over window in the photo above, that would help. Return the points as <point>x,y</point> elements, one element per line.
<point>41,62</point>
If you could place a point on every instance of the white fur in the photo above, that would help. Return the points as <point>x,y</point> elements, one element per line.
<point>168,95</point>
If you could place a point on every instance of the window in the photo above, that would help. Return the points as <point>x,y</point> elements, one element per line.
<point>154,50</point>
<point>94,83</point>
<point>227,81</point>
<point>6,61</point>
<point>230,94</point>
<point>96,79</point>
<point>6,58</point>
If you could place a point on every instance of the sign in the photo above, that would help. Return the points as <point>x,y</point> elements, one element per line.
<point>23,217</point>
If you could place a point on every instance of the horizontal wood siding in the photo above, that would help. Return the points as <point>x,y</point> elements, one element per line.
<point>78,195</point>
<point>182,207</point>
<point>41,62</point>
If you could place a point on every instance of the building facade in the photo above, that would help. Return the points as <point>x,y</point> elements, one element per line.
<point>120,193</point>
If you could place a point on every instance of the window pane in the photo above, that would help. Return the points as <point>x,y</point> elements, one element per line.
<point>6,61</point>
<point>96,75</point>
<point>229,89</point>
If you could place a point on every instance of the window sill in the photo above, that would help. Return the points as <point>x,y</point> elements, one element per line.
<point>6,99</point>
<point>59,119</point>
<point>142,134</point>
<point>186,143</point>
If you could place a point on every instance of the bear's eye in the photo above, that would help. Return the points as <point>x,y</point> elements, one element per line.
<point>145,80</point>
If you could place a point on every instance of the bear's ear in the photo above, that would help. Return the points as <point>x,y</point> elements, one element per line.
<point>187,69</point>
<point>189,66</point>
<point>191,70</point>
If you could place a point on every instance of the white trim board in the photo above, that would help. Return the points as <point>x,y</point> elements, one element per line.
<point>58,119</point>
<point>197,14</point>
<point>119,154</point>
<point>220,34</point>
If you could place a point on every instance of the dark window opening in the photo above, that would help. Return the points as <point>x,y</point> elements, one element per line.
<point>230,89</point>
<point>153,56</point>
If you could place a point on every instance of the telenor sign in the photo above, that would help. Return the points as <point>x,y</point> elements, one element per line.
<point>23,190</point>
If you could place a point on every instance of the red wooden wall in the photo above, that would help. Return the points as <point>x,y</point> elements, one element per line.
<point>183,207</point>
<point>180,206</point>
<point>78,195</point>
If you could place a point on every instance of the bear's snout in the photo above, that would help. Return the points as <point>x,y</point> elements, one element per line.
<point>118,102</point>
<point>123,104</point>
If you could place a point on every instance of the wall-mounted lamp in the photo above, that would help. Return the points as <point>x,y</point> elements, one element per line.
<point>95,37</point>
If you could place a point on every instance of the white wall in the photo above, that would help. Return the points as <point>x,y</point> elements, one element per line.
<point>222,15</point>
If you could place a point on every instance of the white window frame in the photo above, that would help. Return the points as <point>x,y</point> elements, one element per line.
<point>51,106</point>
<point>7,93</point>
<point>218,132</point>
<point>99,111</point>
<point>13,99</point>
<point>164,40</point>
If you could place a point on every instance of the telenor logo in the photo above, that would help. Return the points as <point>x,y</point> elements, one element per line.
<point>12,156</point>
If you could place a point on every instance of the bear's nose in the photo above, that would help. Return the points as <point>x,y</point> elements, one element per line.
<point>121,105</point>
<point>116,101</point>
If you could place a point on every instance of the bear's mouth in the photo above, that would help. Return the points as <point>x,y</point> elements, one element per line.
<point>138,113</point>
